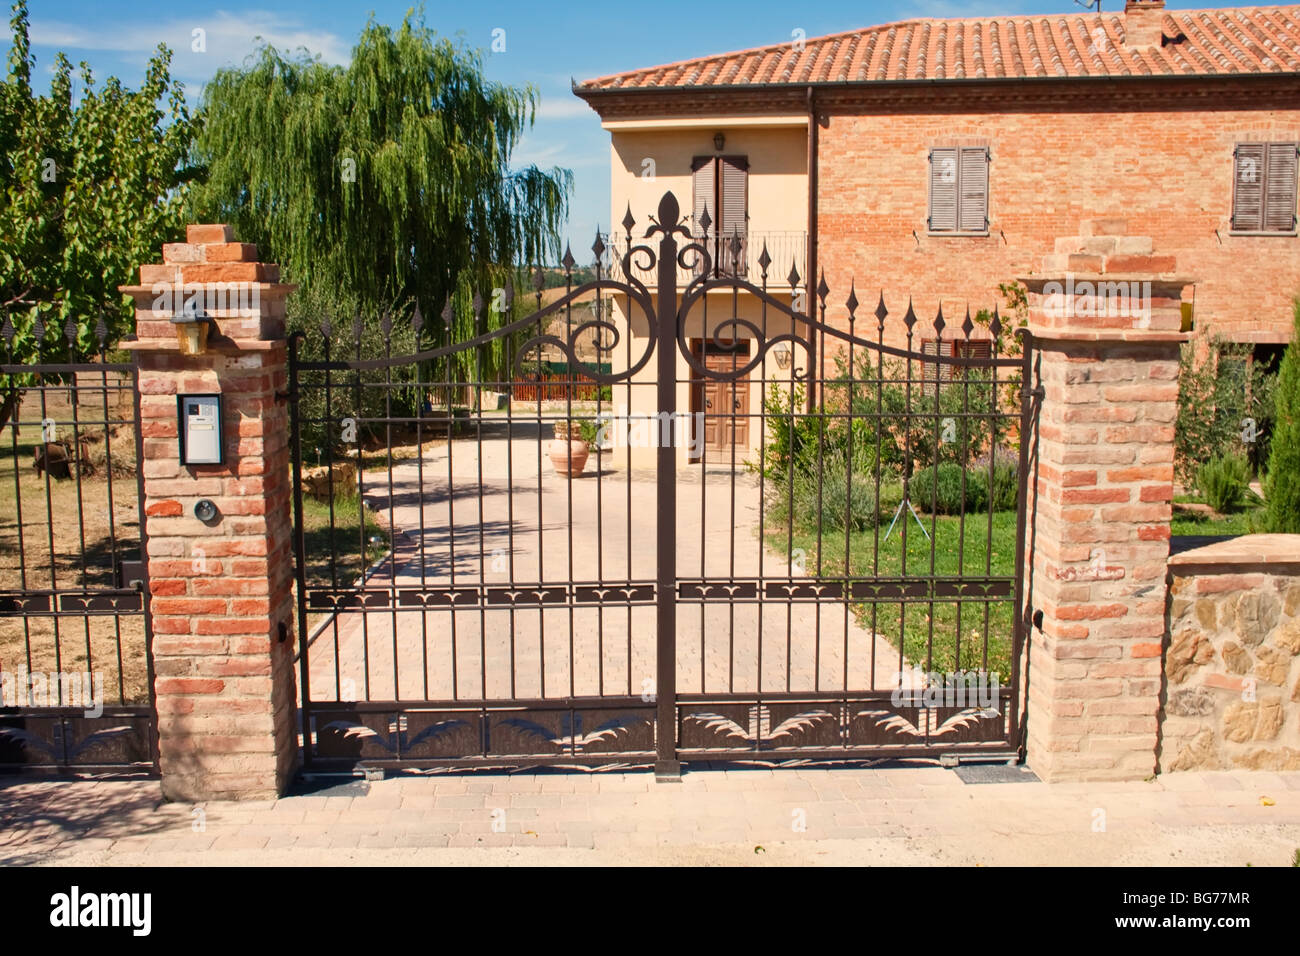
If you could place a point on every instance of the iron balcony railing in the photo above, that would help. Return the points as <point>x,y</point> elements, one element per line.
<point>738,254</point>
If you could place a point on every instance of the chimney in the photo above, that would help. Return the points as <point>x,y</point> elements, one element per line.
<point>1143,22</point>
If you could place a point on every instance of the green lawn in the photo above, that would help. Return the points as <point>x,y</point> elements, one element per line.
<point>333,545</point>
<point>930,630</point>
<point>1191,522</point>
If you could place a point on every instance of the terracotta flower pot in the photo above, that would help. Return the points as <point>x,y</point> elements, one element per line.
<point>569,456</point>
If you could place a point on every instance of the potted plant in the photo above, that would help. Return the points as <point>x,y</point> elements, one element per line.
<point>569,452</point>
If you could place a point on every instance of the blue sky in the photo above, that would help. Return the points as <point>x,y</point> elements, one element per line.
<point>547,44</point>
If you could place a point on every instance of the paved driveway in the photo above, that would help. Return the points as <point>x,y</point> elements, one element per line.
<point>497,513</point>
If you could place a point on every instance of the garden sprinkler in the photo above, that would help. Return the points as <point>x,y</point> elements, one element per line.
<point>899,510</point>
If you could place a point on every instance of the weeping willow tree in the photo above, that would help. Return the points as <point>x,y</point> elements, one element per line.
<point>385,184</point>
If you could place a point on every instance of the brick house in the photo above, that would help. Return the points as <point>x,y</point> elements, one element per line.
<point>933,159</point>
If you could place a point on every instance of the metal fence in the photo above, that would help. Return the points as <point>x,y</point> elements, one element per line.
<point>846,583</point>
<point>75,664</point>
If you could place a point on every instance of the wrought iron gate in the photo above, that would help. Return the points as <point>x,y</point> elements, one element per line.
<point>76,669</point>
<point>849,584</point>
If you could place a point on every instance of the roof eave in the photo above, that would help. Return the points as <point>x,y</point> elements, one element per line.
<point>588,94</point>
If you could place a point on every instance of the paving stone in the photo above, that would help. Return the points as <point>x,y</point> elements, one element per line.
<point>858,814</point>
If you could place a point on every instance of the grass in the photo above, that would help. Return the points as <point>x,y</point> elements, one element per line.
<point>1203,523</point>
<point>929,631</point>
<point>332,539</point>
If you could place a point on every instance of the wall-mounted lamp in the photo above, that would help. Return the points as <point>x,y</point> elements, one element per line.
<point>719,141</point>
<point>191,332</point>
<point>782,356</point>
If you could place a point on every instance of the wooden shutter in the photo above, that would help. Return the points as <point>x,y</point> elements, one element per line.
<point>704,183</point>
<point>973,202</point>
<point>972,348</point>
<point>1249,162</point>
<point>703,175</point>
<point>944,177</point>
<point>1280,187</point>
<point>932,373</point>
<point>943,190</point>
<point>733,191</point>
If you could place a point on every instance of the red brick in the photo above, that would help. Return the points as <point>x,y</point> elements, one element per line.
<point>1144,264</point>
<point>196,234</point>
<point>189,685</point>
<point>229,252</point>
<point>162,606</point>
<point>1157,493</point>
<point>1094,495</point>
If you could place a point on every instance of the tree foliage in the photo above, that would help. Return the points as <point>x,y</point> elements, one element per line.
<point>1282,486</point>
<point>1225,407</point>
<point>388,180</point>
<point>93,184</point>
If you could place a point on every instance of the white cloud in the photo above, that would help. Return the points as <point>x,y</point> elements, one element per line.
<point>564,107</point>
<point>229,39</point>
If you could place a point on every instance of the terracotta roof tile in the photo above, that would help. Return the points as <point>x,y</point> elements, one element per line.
<point>1195,43</point>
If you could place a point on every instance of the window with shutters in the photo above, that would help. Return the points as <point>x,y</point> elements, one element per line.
<point>959,190</point>
<point>936,374</point>
<point>721,187</point>
<point>1264,187</point>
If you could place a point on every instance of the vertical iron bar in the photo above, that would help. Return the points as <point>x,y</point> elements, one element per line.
<point>667,766</point>
<point>145,598</point>
<point>1018,611</point>
<point>300,551</point>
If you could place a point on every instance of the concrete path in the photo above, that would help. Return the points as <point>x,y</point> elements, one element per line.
<point>497,513</point>
<point>877,816</point>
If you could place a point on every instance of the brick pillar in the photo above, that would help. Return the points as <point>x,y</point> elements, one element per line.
<point>220,590</point>
<point>1105,314</point>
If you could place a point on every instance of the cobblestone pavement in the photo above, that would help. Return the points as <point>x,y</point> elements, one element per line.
<point>884,815</point>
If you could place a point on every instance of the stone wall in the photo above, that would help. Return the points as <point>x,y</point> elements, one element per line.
<point>1232,664</point>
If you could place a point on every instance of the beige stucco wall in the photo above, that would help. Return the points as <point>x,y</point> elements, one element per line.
<point>646,163</point>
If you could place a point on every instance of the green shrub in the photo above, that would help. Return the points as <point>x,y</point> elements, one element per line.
<point>1006,478</point>
<point>1224,481</point>
<point>945,492</point>
<point>942,490</point>
<point>1225,406</point>
<point>1282,486</point>
<point>792,433</point>
<point>835,497</point>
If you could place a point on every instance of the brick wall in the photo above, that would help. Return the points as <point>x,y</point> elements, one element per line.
<point>1100,507</point>
<point>220,591</point>
<point>1168,172</point>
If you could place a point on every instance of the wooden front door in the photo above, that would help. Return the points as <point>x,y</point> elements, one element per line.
<point>725,408</point>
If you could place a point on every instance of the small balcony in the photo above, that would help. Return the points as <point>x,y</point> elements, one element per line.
<point>740,255</point>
